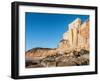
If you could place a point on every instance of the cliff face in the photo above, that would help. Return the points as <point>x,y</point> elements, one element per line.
<point>73,49</point>
<point>77,36</point>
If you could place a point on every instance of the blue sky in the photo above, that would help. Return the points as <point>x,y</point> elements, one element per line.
<point>45,29</point>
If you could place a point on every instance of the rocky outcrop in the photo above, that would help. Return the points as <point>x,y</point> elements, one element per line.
<point>58,60</point>
<point>77,36</point>
<point>72,50</point>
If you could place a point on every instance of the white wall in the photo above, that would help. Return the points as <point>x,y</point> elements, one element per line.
<point>5,40</point>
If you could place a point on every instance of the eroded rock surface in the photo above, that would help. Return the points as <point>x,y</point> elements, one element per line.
<point>58,60</point>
